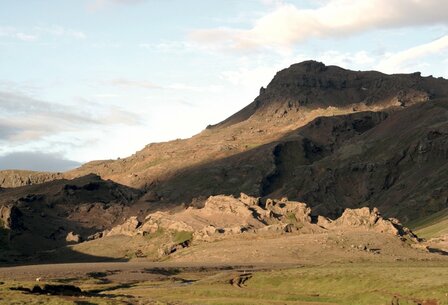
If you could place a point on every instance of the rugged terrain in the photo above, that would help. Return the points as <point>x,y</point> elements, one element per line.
<point>327,136</point>
<point>177,227</point>
<point>323,135</point>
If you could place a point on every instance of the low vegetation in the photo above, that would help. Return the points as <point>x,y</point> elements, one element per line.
<point>432,226</point>
<point>182,236</point>
<point>348,284</point>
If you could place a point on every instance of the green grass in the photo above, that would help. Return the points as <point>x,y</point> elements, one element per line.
<point>349,284</point>
<point>182,236</point>
<point>9,297</point>
<point>431,226</point>
<point>159,233</point>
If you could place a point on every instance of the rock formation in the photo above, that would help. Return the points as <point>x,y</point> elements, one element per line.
<point>367,219</point>
<point>224,216</point>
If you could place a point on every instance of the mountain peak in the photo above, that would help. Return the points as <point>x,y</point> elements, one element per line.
<point>311,85</point>
<point>309,66</point>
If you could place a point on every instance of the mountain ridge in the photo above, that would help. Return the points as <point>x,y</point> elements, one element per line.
<point>294,97</point>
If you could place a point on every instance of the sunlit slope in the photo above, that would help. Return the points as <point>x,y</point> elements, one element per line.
<point>432,226</point>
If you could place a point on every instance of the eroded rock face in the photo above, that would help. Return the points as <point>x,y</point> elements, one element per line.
<point>10,217</point>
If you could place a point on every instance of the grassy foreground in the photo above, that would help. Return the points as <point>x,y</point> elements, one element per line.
<point>423,283</point>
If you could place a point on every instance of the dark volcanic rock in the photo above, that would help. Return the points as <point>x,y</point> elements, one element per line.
<point>312,85</point>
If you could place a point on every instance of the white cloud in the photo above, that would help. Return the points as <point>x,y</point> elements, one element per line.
<point>121,82</point>
<point>24,119</point>
<point>272,2</point>
<point>26,37</point>
<point>169,46</point>
<point>8,31</point>
<point>96,5</point>
<point>37,32</point>
<point>405,61</point>
<point>185,87</point>
<point>287,24</point>
<point>57,30</point>
<point>143,84</point>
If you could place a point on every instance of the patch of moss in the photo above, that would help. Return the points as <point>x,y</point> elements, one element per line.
<point>291,218</point>
<point>182,236</point>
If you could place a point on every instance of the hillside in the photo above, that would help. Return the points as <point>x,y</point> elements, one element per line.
<point>329,137</point>
<point>296,96</point>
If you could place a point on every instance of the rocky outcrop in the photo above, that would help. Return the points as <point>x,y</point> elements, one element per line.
<point>10,217</point>
<point>367,219</point>
<point>222,216</point>
<point>225,216</point>
<point>129,228</point>
<point>73,238</point>
<point>289,210</point>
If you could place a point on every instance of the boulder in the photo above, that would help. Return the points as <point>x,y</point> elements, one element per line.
<point>292,210</point>
<point>129,228</point>
<point>73,238</point>
<point>358,217</point>
<point>204,234</point>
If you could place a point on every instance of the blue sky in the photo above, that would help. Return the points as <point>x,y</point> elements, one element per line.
<point>98,79</point>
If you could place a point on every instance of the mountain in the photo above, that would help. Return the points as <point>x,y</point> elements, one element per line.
<point>323,135</point>
<point>331,137</point>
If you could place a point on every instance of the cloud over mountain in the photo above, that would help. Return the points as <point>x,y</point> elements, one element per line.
<point>288,24</point>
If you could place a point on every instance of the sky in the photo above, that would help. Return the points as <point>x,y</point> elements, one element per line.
<point>84,80</point>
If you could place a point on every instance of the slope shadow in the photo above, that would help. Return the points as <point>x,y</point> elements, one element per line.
<point>300,164</point>
<point>438,251</point>
<point>44,218</point>
<point>256,171</point>
<point>60,257</point>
